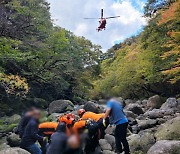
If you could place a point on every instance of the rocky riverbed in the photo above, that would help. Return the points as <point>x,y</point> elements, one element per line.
<point>154,126</point>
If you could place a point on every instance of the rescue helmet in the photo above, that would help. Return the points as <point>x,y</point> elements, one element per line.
<point>70,116</point>
<point>68,119</point>
<point>81,111</point>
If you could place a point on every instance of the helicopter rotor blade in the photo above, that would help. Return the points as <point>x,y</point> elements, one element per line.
<point>102,12</point>
<point>91,18</point>
<point>112,17</point>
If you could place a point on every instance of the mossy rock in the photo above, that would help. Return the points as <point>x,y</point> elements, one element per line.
<point>10,127</point>
<point>11,120</point>
<point>140,143</point>
<point>7,128</point>
<point>169,130</point>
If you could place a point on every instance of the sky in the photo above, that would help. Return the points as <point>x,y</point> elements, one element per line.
<point>70,15</point>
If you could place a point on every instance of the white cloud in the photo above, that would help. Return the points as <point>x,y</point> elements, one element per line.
<point>70,13</point>
<point>81,29</point>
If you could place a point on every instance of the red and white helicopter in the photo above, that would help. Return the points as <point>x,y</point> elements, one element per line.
<point>102,21</point>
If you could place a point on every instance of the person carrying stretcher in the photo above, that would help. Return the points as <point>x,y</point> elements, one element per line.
<point>96,117</point>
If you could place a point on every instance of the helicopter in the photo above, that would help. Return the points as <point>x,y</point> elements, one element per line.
<point>102,21</point>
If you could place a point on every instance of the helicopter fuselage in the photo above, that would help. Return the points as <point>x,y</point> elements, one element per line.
<point>102,24</point>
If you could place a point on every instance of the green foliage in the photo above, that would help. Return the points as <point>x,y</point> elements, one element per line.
<point>49,62</point>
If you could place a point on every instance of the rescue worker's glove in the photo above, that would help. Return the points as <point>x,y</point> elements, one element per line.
<point>45,139</point>
<point>104,122</point>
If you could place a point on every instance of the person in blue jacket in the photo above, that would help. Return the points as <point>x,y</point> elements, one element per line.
<point>30,134</point>
<point>117,117</point>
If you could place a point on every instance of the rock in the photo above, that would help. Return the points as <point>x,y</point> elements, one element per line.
<point>154,102</point>
<point>110,130</point>
<point>111,140</point>
<point>155,113</point>
<point>129,101</point>
<point>14,119</point>
<point>60,106</point>
<point>144,102</point>
<point>5,128</point>
<point>141,117</point>
<point>92,107</point>
<point>14,151</point>
<point>54,117</point>
<point>144,124</point>
<point>13,140</point>
<point>169,130</point>
<point>171,103</point>
<point>161,121</point>
<point>141,142</point>
<point>130,114</point>
<point>3,143</point>
<point>165,147</point>
<point>102,101</point>
<point>135,108</point>
<point>4,146</point>
<point>104,145</point>
<point>135,129</point>
<point>159,113</point>
<point>107,152</point>
<point>132,121</point>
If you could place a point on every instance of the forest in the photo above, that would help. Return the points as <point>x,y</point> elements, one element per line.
<point>41,62</point>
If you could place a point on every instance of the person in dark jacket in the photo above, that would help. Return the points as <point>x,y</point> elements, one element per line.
<point>30,135</point>
<point>58,140</point>
<point>24,121</point>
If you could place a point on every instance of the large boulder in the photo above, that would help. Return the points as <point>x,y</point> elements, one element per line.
<point>111,140</point>
<point>8,124</point>
<point>141,142</point>
<point>104,145</point>
<point>154,102</point>
<point>135,108</point>
<point>130,114</point>
<point>171,103</point>
<point>110,130</point>
<point>60,106</point>
<point>165,147</point>
<point>12,119</point>
<point>159,113</point>
<point>14,151</point>
<point>169,130</point>
<point>92,107</point>
<point>145,124</point>
<point>13,140</point>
